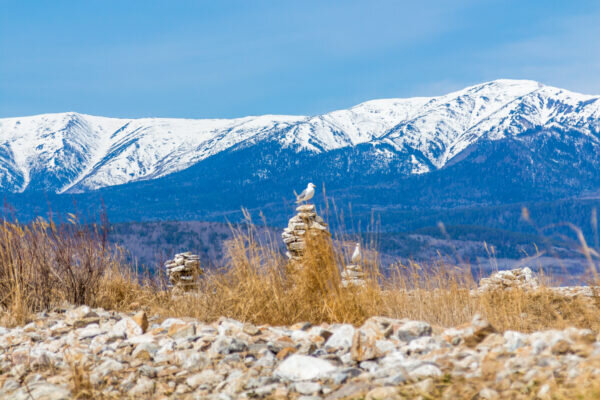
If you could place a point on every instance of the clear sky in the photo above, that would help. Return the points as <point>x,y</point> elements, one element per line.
<point>222,58</point>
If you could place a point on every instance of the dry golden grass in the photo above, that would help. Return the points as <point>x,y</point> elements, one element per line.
<point>261,287</point>
<point>43,265</point>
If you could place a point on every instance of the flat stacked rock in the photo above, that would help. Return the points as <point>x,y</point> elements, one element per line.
<point>294,236</point>
<point>522,278</point>
<point>353,275</point>
<point>184,270</point>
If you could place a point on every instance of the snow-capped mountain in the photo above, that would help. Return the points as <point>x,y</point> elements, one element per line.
<point>447,125</point>
<point>73,152</point>
<point>64,151</point>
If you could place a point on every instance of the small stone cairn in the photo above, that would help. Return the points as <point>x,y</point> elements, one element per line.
<point>353,275</point>
<point>294,236</point>
<point>184,270</point>
<point>522,278</point>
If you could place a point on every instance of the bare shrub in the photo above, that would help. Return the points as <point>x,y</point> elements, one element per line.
<point>43,264</point>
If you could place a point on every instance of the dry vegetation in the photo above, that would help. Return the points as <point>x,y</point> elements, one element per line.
<point>43,265</point>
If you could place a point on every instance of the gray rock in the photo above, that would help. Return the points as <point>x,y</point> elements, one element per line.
<point>261,391</point>
<point>149,371</point>
<point>397,378</point>
<point>260,381</point>
<point>228,345</point>
<point>342,376</point>
<point>413,329</point>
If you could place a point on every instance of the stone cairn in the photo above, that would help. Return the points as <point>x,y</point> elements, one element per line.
<point>522,278</point>
<point>184,271</point>
<point>308,221</point>
<point>294,236</point>
<point>353,275</point>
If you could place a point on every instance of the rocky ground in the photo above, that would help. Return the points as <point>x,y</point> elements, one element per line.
<point>93,353</point>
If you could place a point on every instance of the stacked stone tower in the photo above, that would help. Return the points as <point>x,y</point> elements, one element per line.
<point>522,278</point>
<point>353,275</point>
<point>306,221</point>
<point>184,270</point>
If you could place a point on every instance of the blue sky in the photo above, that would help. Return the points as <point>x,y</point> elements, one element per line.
<point>199,59</point>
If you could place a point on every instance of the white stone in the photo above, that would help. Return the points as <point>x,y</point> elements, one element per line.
<point>208,376</point>
<point>90,331</point>
<point>514,340</point>
<point>106,368</point>
<point>151,348</point>
<point>301,368</point>
<point>78,313</point>
<point>425,371</point>
<point>307,387</point>
<point>166,324</point>
<point>126,327</point>
<point>144,386</point>
<point>341,338</point>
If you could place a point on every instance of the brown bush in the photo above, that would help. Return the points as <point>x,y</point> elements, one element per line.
<point>43,264</point>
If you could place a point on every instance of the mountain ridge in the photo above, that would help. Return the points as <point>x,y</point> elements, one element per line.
<point>72,152</point>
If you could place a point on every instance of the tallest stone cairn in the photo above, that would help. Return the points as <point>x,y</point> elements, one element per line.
<point>305,222</point>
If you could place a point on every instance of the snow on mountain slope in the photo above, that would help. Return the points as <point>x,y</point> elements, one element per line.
<point>75,152</point>
<point>150,148</point>
<point>50,150</point>
<point>359,124</point>
<point>448,124</point>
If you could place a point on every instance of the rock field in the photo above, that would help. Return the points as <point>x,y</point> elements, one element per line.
<point>130,355</point>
